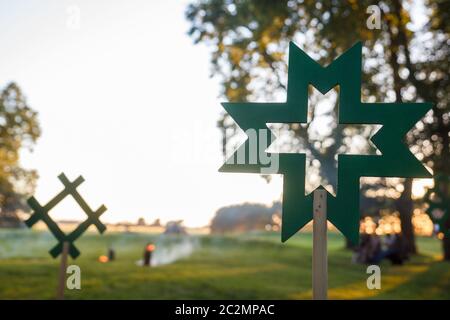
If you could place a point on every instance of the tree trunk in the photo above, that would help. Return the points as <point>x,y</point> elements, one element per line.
<point>442,165</point>
<point>446,247</point>
<point>405,204</point>
<point>405,208</point>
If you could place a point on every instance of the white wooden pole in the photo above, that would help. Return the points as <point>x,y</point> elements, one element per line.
<point>320,263</point>
<point>62,272</point>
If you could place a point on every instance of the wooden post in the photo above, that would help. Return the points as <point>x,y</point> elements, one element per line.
<point>319,263</point>
<point>62,271</point>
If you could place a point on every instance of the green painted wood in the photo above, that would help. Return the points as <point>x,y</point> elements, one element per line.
<point>41,213</point>
<point>396,119</point>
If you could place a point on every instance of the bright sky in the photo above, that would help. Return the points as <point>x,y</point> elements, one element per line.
<point>124,99</point>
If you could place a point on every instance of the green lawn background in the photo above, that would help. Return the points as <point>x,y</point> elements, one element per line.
<point>252,266</point>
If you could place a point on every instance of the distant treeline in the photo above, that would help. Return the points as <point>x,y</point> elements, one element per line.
<point>245,217</point>
<point>254,216</point>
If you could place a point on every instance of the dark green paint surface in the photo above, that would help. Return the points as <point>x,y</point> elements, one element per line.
<point>396,119</point>
<point>41,213</point>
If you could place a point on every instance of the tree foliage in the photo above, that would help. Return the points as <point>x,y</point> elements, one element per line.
<point>244,217</point>
<point>19,128</point>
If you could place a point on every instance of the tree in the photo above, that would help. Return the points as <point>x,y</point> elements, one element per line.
<point>249,41</point>
<point>244,217</point>
<point>19,128</point>
<point>141,222</point>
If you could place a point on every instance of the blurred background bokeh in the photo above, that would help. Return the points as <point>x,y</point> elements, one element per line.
<point>128,95</point>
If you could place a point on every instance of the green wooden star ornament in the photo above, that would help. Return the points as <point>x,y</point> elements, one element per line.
<point>438,200</point>
<point>395,120</point>
<point>42,213</point>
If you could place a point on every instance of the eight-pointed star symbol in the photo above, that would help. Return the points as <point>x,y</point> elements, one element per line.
<point>394,160</point>
<point>322,139</point>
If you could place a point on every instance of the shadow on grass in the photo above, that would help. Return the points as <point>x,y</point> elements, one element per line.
<point>431,283</point>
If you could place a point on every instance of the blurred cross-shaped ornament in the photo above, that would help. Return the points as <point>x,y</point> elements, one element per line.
<point>42,213</point>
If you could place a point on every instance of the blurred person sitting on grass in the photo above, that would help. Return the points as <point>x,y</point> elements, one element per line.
<point>394,250</point>
<point>372,251</point>
<point>368,250</point>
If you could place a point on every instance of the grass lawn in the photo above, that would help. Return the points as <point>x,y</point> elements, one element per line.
<point>254,266</point>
